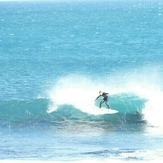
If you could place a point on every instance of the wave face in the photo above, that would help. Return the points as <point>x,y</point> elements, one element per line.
<point>72,98</point>
<point>37,109</point>
<point>32,113</point>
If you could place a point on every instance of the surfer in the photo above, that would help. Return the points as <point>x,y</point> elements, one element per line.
<point>104,100</point>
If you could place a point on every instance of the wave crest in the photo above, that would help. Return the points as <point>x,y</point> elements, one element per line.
<point>81,93</point>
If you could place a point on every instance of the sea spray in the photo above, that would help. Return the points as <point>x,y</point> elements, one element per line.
<point>81,92</point>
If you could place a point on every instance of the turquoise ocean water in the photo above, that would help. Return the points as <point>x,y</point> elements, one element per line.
<point>54,59</point>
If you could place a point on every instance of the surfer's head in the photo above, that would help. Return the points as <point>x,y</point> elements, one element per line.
<point>100,92</point>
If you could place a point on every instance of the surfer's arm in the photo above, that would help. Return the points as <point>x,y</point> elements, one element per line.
<point>106,94</point>
<point>97,97</point>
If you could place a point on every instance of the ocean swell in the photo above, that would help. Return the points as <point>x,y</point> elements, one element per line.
<point>37,111</point>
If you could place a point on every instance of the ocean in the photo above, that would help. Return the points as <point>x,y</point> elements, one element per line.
<point>55,57</point>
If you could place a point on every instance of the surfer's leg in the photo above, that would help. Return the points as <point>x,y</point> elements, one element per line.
<point>101,103</point>
<point>106,102</point>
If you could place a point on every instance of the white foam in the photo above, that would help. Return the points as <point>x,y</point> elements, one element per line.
<point>76,90</point>
<point>81,91</point>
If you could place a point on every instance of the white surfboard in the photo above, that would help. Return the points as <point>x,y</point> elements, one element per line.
<point>108,111</point>
<point>98,111</point>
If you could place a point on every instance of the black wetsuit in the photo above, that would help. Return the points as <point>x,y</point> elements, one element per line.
<point>105,99</point>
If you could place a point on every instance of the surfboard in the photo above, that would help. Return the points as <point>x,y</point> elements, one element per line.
<point>108,111</point>
<point>97,111</point>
